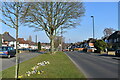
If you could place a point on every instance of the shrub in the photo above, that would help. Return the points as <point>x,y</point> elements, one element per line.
<point>100,45</point>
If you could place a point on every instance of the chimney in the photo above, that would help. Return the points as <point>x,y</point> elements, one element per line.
<point>6,33</point>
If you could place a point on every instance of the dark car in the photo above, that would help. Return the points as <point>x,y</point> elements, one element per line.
<point>117,52</point>
<point>71,48</point>
<point>7,51</point>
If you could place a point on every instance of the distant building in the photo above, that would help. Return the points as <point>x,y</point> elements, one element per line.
<point>22,43</point>
<point>89,42</point>
<point>45,46</point>
<point>8,40</point>
<point>26,44</point>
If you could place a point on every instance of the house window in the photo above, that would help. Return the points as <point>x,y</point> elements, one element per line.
<point>114,40</point>
<point>110,40</point>
<point>117,39</point>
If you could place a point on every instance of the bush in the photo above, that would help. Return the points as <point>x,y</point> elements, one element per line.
<point>100,45</point>
<point>39,46</point>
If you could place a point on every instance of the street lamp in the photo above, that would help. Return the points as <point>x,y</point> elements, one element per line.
<point>93,27</point>
<point>0,40</point>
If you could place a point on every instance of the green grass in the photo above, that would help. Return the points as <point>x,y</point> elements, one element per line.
<point>60,67</point>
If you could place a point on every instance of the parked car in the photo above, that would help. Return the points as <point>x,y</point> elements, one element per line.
<point>117,52</point>
<point>7,51</point>
<point>91,49</point>
<point>33,50</point>
<point>71,48</point>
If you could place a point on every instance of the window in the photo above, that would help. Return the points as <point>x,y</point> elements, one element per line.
<point>10,48</point>
<point>115,40</point>
<point>0,49</point>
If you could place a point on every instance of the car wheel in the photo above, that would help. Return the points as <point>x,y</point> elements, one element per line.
<point>9,56</point>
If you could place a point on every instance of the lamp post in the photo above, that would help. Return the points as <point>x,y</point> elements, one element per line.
<point>0,40</point>
<point>93,27</point>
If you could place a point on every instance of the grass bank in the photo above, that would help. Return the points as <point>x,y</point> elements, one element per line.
<point>60,67</point>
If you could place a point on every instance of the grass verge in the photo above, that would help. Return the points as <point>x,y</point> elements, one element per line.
<point>60,67</point>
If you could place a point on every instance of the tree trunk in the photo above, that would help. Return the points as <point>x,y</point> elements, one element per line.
<point>52,45</point>
<point>16,69</point>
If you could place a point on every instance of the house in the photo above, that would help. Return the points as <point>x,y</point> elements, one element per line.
<point>87,45</point>
<point>8,40</point>
<point>26,44</point>
<point>32,45</point>
<point>105,39</point>
<point>89,42</point>
<point>22,43</point>
<point>45,46</point>
<point>114,40</point>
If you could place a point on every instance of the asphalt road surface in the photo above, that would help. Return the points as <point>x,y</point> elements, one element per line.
<point>96,65</point>
<point>6,63</point>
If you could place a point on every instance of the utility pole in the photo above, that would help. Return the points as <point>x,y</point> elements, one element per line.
<point>36,40</point>
<point>0,39</point>
<point>93,27</point>
<point>119,15</point>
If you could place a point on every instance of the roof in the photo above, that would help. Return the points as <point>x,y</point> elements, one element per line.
<point>91,40</point>
<point>116,34</point>
<point>22,41</point>
<point>7,37</point>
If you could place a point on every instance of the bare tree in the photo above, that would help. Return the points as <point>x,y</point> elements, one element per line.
<point>12,13</point>
<point>108,31</point>
<point>50,16</point>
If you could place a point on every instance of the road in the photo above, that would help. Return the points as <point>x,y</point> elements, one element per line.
<point>6,63</point>
<point>96,65</point>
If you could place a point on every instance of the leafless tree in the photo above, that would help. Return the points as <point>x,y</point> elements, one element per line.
<point>50,16</point>
<point>108,31</point>
<point>12,14</point>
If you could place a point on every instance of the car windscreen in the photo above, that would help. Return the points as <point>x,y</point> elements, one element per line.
<point>0,49</point>
<point>4,48</point>
<point>10,48</point>
<point>7,48</point>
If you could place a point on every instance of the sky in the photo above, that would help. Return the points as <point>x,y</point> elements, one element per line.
<point>105,14</point>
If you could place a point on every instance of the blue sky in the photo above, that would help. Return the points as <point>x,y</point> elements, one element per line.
<point>105,13</point>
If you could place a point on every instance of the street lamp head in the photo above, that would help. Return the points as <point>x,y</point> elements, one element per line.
<point>92,16</point>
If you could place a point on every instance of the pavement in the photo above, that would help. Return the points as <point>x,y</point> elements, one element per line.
<point>6,63</point>
<point>95,65</point>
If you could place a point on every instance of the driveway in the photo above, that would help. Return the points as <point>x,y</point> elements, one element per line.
<point>6,63</point>
<point>95,65</point>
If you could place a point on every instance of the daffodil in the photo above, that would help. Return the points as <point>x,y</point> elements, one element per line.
<point>38,72</point>
<point>48,62</point>
<point>20,76</point>
<point>28,75</point>
<point>36,67</point>
<point>41,71</point>
<point>33,68</point>
<point>33,72</point>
